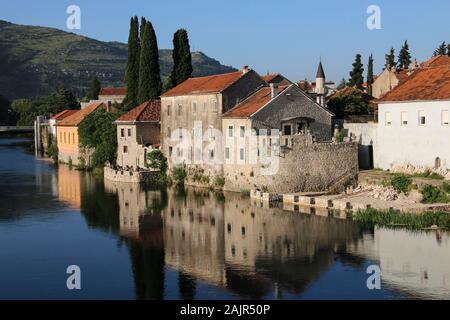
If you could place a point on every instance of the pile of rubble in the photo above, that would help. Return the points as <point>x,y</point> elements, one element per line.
<point>412,170</point>
<point>377,192</point>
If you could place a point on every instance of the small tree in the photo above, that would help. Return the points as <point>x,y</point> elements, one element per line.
<point>182,59</point>
<point>390,59</point>
<point>404,57</point>
<point>441,50</point>
<point>356,75</point>
<point>94,89</point>
<point>179,175</point>
<point>370,75</point>
<point>157,161</point>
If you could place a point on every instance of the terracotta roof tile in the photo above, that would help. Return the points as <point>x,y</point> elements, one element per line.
<point>64,114</point>
<point>424,84</point>
<point>253,103</point>
<point>437,61</point>
<point>76,118</point>
<point>210,84</point>
<point>113,91</point>
<point>269,77</point>
<point>148,111</point>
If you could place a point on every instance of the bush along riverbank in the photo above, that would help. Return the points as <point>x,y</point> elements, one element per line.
<point>394,218</point>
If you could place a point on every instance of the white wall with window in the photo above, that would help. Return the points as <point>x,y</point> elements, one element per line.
<point>415,133</point>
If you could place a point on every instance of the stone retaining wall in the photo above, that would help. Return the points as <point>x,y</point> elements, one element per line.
<point>150,177</point>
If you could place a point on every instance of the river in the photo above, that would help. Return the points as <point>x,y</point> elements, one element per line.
<point>136,243</point>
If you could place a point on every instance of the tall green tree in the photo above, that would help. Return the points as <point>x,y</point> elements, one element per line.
<point>441,50</point>
<point>370,75</point>
<point>448,49</point>
<point>390,59</point>
<point>94,89</point>
<point>149,72</point>
<point>182,59</point>
<point>404,57</point>
<point>64,99</point>
<point>357,73</point>
<point>132,68</point>
<point>342,84</point>
<point>142,28</point>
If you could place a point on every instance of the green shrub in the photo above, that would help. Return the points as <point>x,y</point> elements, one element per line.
<point>157,161</point>
<point>245,193</point>
<point>401,183</point>
<point>205,180</point>
<point>179,175</point>
<point>52,152</point>
<point>432,194</point>
<point>340,136</point>
<point>428,174</point>
<point>219,181</point>
<point>446,187</point>
<point>70,163</point>
<point>81,163</point>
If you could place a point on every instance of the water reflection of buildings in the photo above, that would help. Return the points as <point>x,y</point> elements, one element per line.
<point>69,186</point>
<point>414,262</point>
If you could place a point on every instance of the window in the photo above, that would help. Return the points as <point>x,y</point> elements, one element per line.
<point>205,107</point>
<point>227,153</point>
<point>422,118</point>
<point>230,131</point>
<point>388,118</point>
<point>73,138</point>
<point>180,132</point>
<point>168,109</point>
<point>180,109</point>
<point>242,132</point>
<point>215,106</point>
<point>194,107</point>
<point>168,132</point>
<point>287,130</point>
<point>129,132</point>
<point>211,154</point>
<point>65,138</point>
<point>445,117</point>
<point>242,154</point>
<point>122,132</point>
<point>404,118</point>
<point>125,149</point>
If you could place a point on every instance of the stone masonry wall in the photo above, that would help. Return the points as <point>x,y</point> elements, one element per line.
<point>305,168</point>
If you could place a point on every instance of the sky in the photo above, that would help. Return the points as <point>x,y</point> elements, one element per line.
<point>288,36</point>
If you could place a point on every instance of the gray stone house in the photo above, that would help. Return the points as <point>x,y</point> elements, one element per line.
<point>138,131</point>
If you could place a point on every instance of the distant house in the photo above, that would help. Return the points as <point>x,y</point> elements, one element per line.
<point>55,119</point>
<point>413,123</point>
<point>112,95</point>
<point>67,134</point>
<point>197,104</point>
<point>388,80</point>
<point>137,132</point>
<point>276,79</point>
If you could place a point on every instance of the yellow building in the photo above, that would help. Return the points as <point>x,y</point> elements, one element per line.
<point>67,134</point>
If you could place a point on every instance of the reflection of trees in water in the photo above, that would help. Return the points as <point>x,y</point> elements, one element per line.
<point>187,286</point>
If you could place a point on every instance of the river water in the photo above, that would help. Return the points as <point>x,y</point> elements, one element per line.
<point>135,243</point>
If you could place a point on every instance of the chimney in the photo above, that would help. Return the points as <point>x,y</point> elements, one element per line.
<point>108,107</point>
<point>274,90</point>
<point>245,69</point>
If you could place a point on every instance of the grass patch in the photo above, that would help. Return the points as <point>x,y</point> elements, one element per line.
<point>432,194</point>
<point>401,183</point>
<point>430,175</point>
<point>245,193</point>
<point>372,217</point>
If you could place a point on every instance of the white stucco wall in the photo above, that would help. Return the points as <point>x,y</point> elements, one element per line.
<point>414,144</point>
<point>366,136</point>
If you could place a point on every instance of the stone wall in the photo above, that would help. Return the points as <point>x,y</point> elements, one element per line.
<point>305,167</point>
<point>124,176</point>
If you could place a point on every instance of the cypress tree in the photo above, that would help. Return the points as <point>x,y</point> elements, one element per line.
<point>342,84</point>
<point>448,49</point>
<point>404,57</point>
<point>356,75</point>
<point>132,68</point>
<point>370,74</point>
<point>182,59</point>
<point>390,59</point>
<point>94,89</point>
<point>142,28</point>
<point>441,50</point>
<point>149,72</point>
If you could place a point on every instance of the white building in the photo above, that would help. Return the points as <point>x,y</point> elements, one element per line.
<point>413,122</point>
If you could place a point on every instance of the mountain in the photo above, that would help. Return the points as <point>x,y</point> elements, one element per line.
<point>34,61</point>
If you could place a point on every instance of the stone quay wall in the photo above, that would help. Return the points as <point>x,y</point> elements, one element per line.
<point>305,167</point>
<point>125,176</point>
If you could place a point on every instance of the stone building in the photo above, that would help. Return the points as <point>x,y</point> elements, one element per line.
<point>69,150</point>
<point>388,80</point>
<point>112,95</point>
<point>54,120</point>
<point>138,131</point>
<point>198,103</point>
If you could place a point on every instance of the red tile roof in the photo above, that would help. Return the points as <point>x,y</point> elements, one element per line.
<point>75,119</point>
<point>113,92</point>
<point>424,84</point>
<point>437,61</point>
<point>210,84</point>
<point>270,77</point>
<point>148,111</point>
<point>64,114</point>
<point>253,103</point>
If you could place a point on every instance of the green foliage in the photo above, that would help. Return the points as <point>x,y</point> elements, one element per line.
<point>179,175</point>
<point>81,163</point>
<point>341,135</point>
<point>404,57</point>
<point>99,131</point>
<point>7,114</point>
<point>132,67</point>
<point>350,102</point>
<point>390,59</point>
<point>356,75</point>
<point>70,163</point>
<point>432,194</point>
<point>446,187</point>
<point>157,161</point>
<point>52,152</point>
<point>58,101</point>
<point>219,181</point>
<point>182,59</point>
<point>401,183</point>
<point>372,217</point>
<point>370,74</point>
<point>205,179</point>
<point>149,73</point>
<point>94,89</point>
<point>429,174</point>
<point>441,50</point>
<point>245,193</point>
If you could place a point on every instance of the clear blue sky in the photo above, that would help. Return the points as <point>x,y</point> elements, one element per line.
<point>285,36</point>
